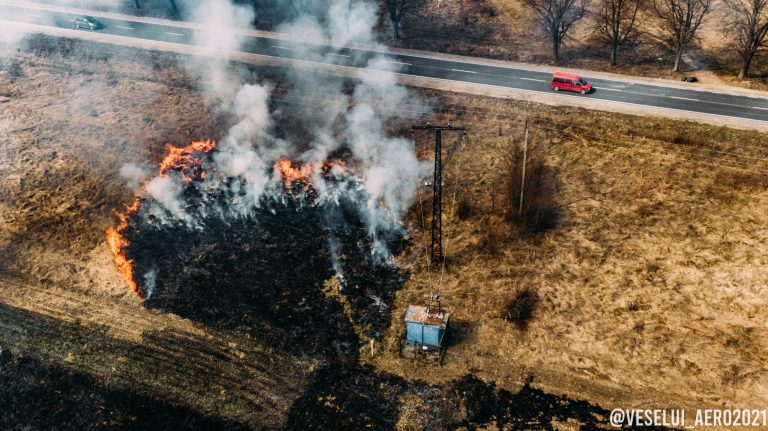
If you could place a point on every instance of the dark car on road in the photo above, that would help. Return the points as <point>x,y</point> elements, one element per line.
<point>87,22</point>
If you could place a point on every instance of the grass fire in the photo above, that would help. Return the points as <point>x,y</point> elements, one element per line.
<point>231,223</point>
<point>207,201</point>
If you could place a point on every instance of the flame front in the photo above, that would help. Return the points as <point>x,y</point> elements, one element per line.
<point>179,158</point>
<point>175,160</point>
<point>187,163</point>
<point>292,173</point>
<point>118,244</point>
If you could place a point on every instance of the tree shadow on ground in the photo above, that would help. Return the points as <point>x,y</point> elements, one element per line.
<point>169,372</point>
<point>37,395</point>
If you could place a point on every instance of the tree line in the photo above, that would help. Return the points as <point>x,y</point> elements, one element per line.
<point>615,22</point>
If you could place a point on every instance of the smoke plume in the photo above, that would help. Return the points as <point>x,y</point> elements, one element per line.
<point>355,123</point>
<point>335,154</point>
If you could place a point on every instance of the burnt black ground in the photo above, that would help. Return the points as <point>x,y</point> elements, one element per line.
<point>361,398</point>
<point>265,273</point>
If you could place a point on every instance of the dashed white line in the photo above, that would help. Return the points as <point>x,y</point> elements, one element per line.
<point>121,26</point>
<point>465,71</point>
<point>282,47</point>
<point>174,34</point>
<point>609,89</point>
<point>399,62</point>
<point>684,98</point>
<point>532,79</point>
<point>33,15</point>
<point>724,104</point>
<point>758,107</point>
<point>338,55</point>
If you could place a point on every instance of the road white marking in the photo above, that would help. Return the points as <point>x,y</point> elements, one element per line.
<point>127,28</point>
<point>465,71</point>
<point>531,79</point>
<point>34,15</point>
<point>338,55</point>
<point>282,47</point>
<point>608,89</point>
<point>684,98</point>
<point>399,62</point>
<point>725,104</point>
<point>646,92</point>
<point>174,34</point>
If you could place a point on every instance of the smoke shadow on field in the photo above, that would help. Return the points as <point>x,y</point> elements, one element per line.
<point>36,395</point>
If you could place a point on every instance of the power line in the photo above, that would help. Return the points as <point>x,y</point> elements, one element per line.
<point>418,112</point>
<point>714,157</point>
<point>436,248</point>
<point>450,223</point>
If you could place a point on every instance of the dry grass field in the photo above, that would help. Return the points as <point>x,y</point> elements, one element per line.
<point>650,289</point>
<point>647,289</point>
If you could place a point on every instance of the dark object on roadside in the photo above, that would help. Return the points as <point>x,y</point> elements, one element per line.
<point>88,23</point>
<point>690,79</point>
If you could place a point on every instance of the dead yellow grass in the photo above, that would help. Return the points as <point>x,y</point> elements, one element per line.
<point>652,287</point>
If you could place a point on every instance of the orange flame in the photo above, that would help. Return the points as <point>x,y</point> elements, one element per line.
<point>176,159</point>
<point>292,173</point>
<point>118,243</point>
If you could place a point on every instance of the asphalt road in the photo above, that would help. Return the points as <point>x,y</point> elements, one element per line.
<point>696,101</point>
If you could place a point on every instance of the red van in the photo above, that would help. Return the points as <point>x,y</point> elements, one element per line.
<point>570,82</point>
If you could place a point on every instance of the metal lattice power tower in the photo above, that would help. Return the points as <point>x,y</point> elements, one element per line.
<point>436,250</point>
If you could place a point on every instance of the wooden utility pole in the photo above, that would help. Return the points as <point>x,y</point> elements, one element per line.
<point>436,250</point>
<point>522,179</point>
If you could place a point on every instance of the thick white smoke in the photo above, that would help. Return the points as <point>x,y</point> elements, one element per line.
<point>217,38</point>
<point>167,191</point>
<point>388,164</point>
<point>356,122</point>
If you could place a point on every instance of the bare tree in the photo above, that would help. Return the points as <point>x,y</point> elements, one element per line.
<point>615,22</point>
<point>557,17</point>
<point>682,18</point>
<point>397,10</point>
<point>749,22</point>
